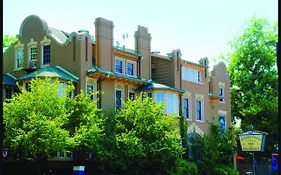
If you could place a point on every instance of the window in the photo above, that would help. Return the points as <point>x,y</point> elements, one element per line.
<point>130,69</point>
<point>19,58</point>
<point>27,87</point>
<point>62,88</point>
<point>118,66</point>
<point>90,90</point>
<point>118,95</point>
<point>221,94</point>
<point>198,109</point>
<point>160,97</point>
<point>33,56</point>
<point>172,105</point>
<point>46,55</point>
<point>222,124</point>
<point>131,95</point>
<point>186,107</point>
<point>149,94</point>
<point>190,74</point>
<point>8,93</point>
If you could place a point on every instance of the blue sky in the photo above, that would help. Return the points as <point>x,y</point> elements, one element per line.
<point>199,28</point>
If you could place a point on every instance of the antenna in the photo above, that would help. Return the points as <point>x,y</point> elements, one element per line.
<point>125,35</point>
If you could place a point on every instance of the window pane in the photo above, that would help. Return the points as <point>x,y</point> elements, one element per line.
<point>198,110</point>
<point>33,53</point>
<point>118,66</point>
<point>62,89</point>
<point>8,93</point>
<point>118,98</point>
<point>90,89</point>
<point>175,104</point>
<point>222,124</point>
<point>130,69</point>
<point>170,103</point>
<point>160,97</point>
<point>186,107</point>
<point>20,58</point>
<point>131,95</point>
<point>46,54</point>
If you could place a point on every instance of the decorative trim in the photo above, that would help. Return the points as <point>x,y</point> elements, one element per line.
<point>32,43</point>
<point>221,84</point>
<point>45,41</point>
<point>221,112</point>
<point>199,97</point>
<point>186,95</point>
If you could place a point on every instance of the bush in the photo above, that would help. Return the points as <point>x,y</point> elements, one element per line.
<point>225,170</point>
<point>183,167</point>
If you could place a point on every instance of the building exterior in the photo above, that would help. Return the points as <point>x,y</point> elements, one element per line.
<point>95,64</point>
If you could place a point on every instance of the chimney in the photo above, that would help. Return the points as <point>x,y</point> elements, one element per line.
<point>104,43</point>
<point>143,46</point>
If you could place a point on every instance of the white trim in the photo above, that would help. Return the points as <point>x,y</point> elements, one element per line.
<point>222,112</point>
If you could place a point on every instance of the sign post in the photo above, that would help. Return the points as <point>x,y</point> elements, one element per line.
<point>252,141</point>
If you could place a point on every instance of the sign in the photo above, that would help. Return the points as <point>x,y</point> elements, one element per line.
<point>274,161</point>
<point>78,170</point>
<point>252,141</point>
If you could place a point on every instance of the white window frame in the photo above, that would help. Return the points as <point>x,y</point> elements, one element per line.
<point>30,45</point>
<point>131,90</point>
<point>43,43</point>
<point>18,46</point>
<point>91,82</point>
<point>199,97</point>
<point>191,75</point>
<point>189,117</point>
<point>134,65</point>
<point>122,63</point>
<point>121,88</point>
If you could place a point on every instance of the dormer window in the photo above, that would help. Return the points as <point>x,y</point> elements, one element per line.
<point>19,58</point>
<point>46,55</point>
<point>33,57</point>
<point>33,53</point>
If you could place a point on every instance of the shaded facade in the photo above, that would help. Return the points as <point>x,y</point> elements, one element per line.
<point>93,63</point>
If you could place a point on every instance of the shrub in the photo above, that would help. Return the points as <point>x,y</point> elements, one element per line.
<point>225,170</point>
<point>183,167</point>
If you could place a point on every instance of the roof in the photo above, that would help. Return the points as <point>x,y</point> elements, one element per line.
<point>50,71</point>
<point>95,70</point>
<point>252,132</point>
<point>196,64</point>
<point>151,85</point>
<point>129,51</point>
<point>9,80</point>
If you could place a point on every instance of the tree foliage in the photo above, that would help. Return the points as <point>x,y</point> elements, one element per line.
<point>34,121</point>
<point>85,124</point>
<point>144,138</point>
<point>253,75</point>
<point>8,41</point>
<point>211,151</point>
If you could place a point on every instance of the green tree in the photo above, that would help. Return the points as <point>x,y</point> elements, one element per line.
<point>85,125</point>
<point>33,121</point>
<point>145,138</point>
<point>8,41</point>
<point>253,75</point>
